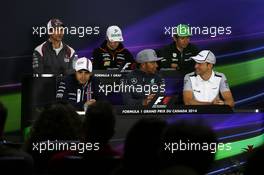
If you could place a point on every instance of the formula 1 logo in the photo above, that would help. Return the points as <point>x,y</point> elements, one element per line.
<point>134,80</point>
<point>126,66</point>
<point>161,102</point>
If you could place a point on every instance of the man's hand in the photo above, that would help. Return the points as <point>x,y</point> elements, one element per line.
<point>90,102</point>
<point>218,102</point>
<point>147,100</point>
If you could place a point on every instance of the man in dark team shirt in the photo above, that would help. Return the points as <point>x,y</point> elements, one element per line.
<point>53,56</point>
<point>177,54</point>
<point>79,88</point>
<point>112,54</point>
<point>144,83</point>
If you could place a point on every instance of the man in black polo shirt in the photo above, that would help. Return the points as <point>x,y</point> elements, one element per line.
<point>144,83</point>
<point>177,54</point>
<point>112,54</point>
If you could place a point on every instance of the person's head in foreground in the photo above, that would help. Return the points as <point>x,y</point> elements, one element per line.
<point>142,145</point>
<point>83,70</point>
<point>190,144</point>
<point>147,59</point>
<point>99,125</point>
<point>57,121</point>
<point>182,36</point>
<point>114,37</point>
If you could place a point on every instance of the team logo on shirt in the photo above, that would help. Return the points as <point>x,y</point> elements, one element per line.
<point>107,63</point>
<point>197,91</point>
<point>66,59</point>
<point>122,81</point>
<point>106,54</point>
<point>106,59</point>
<point>134,80</point>
<point>174,55</point>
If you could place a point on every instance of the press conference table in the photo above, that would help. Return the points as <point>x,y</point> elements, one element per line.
<point>220,118</point>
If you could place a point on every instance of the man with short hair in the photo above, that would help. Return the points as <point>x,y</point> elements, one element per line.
<point>78,88</point>
<point>205,86</point>
<point>148,82</point>
<point>53,56</point>
<point>177,54</point>
<point>112,54</point>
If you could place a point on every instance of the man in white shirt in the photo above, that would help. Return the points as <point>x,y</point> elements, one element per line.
<point>205,86</point>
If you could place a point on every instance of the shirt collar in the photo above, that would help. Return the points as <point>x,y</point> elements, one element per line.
<point>210,80</point>
<point>61,46</point>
